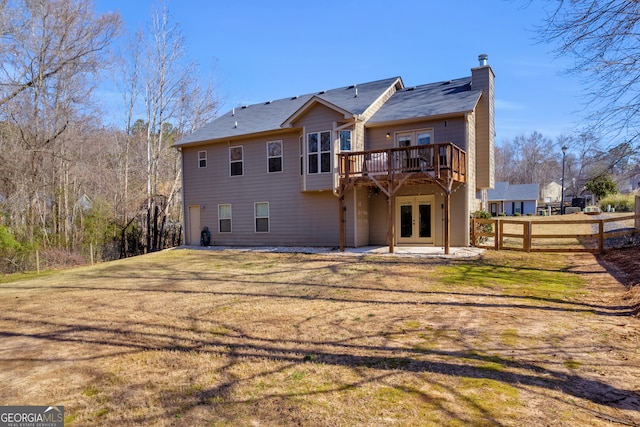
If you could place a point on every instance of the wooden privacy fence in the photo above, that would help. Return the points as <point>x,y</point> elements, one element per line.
<point>572,233</point>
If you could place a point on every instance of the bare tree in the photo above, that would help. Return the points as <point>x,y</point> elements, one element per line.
<point>174,101</point>
<point>603,38</point>
<point>129,87</point>
<point>48,51</point>
<point>535,159</point>
<point>43,39</point>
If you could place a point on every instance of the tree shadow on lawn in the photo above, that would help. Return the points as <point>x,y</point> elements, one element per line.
<point>382,358</point>
<point>554,304</point>
<point>176,274</point>
<point>115,337</point>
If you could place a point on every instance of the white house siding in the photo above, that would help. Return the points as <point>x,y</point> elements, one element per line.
<point>296,218</point>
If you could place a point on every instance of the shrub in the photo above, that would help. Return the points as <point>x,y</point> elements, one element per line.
<point>7,241</point>
<point>12,252</point>
<point>620,202</point>
<point>482,227</point>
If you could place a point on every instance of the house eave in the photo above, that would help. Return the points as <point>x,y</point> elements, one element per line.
<point>235,138</point>
<point>288,123</point>
<point>418,118</point>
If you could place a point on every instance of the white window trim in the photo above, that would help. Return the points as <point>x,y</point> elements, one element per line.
<point>413,133</point>
<point>301,148</point>
<point>319,153</point>
<point>236,161</point>
<point>230,218</point>
<point>202,158</point>
<point>256,217</point>
<point>281,156</point>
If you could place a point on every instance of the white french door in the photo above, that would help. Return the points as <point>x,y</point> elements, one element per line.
<point>415,222</point>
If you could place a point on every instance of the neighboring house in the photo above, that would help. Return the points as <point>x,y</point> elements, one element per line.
<point>368,164</point>
<point>513,199</point>
<point>551,193</point>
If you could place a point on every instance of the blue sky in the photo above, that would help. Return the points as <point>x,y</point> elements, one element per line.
<point>264,50</point>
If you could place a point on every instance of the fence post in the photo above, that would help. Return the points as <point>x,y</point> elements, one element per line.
<point>601,236</point>
<point>637,220</point>
<point>527,236</point>
<point>472,231</point>
<point>496,234</point>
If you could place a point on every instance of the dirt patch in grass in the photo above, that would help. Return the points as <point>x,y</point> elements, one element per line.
<point>624,265</point>
<point>188,337</point>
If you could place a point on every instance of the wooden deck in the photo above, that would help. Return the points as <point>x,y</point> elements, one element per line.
<point>435,162</point>
<point>392,168</point>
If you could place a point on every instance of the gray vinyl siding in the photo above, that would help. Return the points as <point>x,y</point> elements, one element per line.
<point>361,215</point>
<point>379,214</point>
<point>454,131</point>
<point>295,218</point>
<point>378,220</point>
<point>319,119</point>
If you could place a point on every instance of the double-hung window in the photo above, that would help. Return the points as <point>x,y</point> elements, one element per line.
<point>319,152</point>
<point>274,156</point>
<point>224,218</point>
<point>262,217</point>
<point>235,160</point>
<point>202,159</point>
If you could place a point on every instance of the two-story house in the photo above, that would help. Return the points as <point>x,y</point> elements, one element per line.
<point>375,163</point>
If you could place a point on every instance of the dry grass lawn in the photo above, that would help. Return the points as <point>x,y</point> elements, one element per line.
<point>213,338</point>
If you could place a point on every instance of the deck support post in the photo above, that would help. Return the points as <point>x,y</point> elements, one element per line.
<point>447,221</point>
<point>446,187</point>
<point>392,222</point>
<point>342,220</point>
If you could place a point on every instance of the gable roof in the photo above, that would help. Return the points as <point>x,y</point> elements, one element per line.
<point>434,99</point>
<point>505,192</point>
<point>272,115</point>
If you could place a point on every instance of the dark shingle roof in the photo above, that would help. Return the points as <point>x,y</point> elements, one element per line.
<point>434,99</point>
<point>271,115</point>
<point>450,97</point>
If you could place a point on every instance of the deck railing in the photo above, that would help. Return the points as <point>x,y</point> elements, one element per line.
<point>436,160</point>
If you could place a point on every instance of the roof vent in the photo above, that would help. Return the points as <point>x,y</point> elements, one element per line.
<point>351,87</point>
<point>482,59</point>
<point>322,92</point>
<point>268,102</point>
<point>295,97</point>
<point>245,106</point>
<point>411,88</point>
<point>446,83</point>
